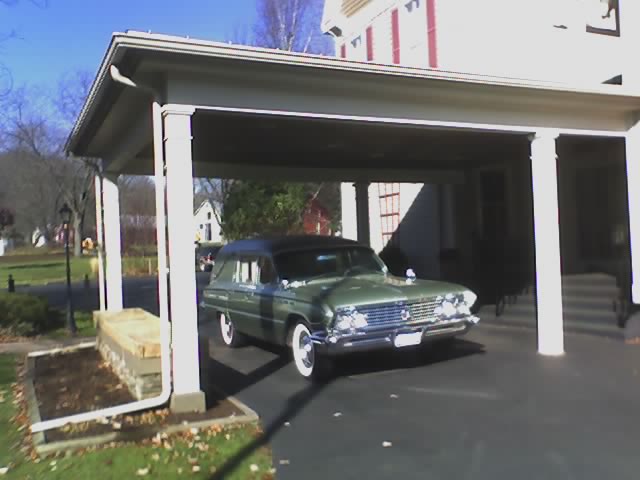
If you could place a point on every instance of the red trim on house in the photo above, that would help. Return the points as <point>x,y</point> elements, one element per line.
<point>369,44</point>
<point>343,51</point>
<point>395,35</point>
<point>431,34</point>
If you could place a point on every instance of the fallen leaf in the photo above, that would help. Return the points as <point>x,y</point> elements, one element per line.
<point>284,462</point>
<point>155,457</point>
<point>254,468</point>
<point>386,444</point>
<point>142,472</point>
<point>272,471</point>
<point>393,395</point>
<point>337,414</point>
<point>4,470</point>
<point>195,469</point>
<point>227,436</point>
<point>180,471</point>
<point>53,463</point>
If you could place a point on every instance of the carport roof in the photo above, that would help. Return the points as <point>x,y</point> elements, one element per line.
<point>170,54</point>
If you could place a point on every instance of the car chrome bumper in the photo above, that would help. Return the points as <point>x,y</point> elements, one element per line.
<point>330,343</point>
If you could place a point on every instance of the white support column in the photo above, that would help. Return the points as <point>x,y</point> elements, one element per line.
<point>447,216</point>
<point>632,147</point>
<point>375,232</point>
<point>362,212</point>
<point>100,242</point>
<point>187,395</point>
<point>547,242</point>
<point>348,202</point>
<point>112,242</point>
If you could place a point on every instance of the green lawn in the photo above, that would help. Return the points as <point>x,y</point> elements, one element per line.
<point>52,268</point>
<point>209,453</point>
<point>84,323</point>
<point>42,269</point>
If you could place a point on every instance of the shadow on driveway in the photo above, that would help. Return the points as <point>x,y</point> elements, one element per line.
<point>216,373</point>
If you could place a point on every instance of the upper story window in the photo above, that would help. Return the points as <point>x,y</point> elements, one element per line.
<point>603,16</point>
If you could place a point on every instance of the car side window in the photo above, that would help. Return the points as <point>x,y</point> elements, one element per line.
<point>267,271</point>
<point>247,270</point>
<point>225,271</point>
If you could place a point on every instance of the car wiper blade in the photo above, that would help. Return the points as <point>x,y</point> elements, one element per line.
<point>323,275</point>
<point>362,270</point>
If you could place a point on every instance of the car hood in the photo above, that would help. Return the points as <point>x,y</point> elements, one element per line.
<point>371,289</point>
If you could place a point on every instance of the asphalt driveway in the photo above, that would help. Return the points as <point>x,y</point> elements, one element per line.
<point>490,408</point>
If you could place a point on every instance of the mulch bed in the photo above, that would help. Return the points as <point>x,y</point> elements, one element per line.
<point>81,381</point>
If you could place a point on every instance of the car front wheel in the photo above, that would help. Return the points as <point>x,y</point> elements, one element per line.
<point>308,363</point>
<point>230,336</point>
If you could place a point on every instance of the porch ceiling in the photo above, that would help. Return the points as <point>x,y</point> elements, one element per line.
<point>283,111</point>
<point>234,145</point>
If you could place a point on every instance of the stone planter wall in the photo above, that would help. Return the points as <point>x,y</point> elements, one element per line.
<point>130,342</point>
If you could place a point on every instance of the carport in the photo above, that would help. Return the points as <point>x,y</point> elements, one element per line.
<point>180,108</point>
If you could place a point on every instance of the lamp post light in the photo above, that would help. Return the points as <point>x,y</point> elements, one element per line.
<point>65,213</point>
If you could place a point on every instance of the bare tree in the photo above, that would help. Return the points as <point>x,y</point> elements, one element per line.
<point>29,192</point>
<point>291,25</point>
<point>34,125</point>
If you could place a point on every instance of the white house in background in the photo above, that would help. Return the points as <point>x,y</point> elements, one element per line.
<point>206,226</point>
<point>38,239</point>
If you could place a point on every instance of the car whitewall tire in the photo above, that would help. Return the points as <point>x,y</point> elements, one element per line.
<point>230,336</point>
<point>303,350</point>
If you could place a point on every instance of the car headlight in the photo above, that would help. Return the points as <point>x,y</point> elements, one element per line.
<point>455,304</point>
<point>469,298</point>
<point>350,319</point>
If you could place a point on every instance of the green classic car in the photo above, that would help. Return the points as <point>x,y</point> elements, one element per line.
<point>326,296</point>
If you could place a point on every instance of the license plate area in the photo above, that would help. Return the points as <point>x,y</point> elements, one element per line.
<point>407,339</point>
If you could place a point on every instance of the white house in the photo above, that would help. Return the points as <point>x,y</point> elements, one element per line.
<point>206,225</point>
<point>580,43</point>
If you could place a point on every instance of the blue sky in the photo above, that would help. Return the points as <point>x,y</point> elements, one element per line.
<point>74,34</point>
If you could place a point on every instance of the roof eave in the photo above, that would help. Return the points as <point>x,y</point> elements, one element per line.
<point>619,97</point>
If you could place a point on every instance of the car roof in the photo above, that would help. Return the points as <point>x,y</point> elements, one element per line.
<point>276,245</point>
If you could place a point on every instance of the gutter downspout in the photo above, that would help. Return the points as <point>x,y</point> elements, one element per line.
<point>165,326</point>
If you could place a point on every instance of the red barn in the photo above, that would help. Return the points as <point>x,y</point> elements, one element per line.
<point>316,220</point>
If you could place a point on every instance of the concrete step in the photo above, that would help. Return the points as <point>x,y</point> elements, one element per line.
<point>583,302</point>
<point>605,327</point>
<point>589,315</point>
<point>601,279</point>
<point>588,290</point>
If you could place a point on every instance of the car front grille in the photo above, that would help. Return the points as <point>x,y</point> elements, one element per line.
<point>392,314</point>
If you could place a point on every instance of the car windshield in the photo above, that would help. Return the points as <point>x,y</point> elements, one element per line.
<point>327,262</point>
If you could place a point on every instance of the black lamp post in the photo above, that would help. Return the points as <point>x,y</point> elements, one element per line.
<point>65,213</point>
